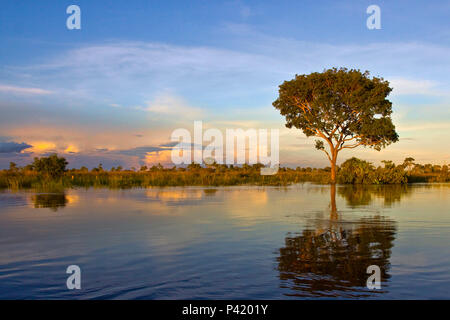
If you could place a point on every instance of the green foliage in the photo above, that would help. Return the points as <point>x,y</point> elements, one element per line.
<point>346,100</point>
<point>428,173</point>
<point>390,174</point>
<point>345,108</point>
<point>194,166</point>
<point>13,167</point>
<point>356,171</point>
<point>408,163</point>
<point>319,145</point>
<point>98,169</point>
<point>50,167</point>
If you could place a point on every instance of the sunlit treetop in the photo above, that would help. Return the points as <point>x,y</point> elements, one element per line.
<point>346,108</point>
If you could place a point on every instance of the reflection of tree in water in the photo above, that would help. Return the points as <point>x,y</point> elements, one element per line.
<point>360,195</point>
<point>332,256</point>
<point>50,200</point>
<point>210,192</point>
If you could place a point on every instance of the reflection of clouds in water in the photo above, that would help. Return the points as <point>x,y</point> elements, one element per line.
<point>175,195</point>
<point>72,199</point>
<point>256,197</point>
<point>243,204</point>
<point>246,206</point>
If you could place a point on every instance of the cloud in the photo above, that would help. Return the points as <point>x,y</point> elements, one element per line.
<point>72,149</point>
<point>169,144</point>
<point>22,90</point>
<point>216,75</point>
<point>163,157</point>
<point>139,151</point>
<point>154,154</point>
<point>409,86</point>
<point>148,155</point>
<point>13,147</point>
<point>173,106</point>
<point>42,147</point>
<point>143,70</point>
<point>424,126</point>
<point>235,86</point>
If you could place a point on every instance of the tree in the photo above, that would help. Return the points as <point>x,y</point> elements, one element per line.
<point>13,167</point>
<point>51,166</point>
<point>194,166</point>
<point>408,163</point>
<point>388,164</point>
<point>345,108</point>
<point>98,169</point>
<point>356,171</point>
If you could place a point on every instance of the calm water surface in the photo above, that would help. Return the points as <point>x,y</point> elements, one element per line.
<point>303,241</point>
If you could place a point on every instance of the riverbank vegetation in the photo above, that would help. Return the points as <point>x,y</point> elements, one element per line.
<point>51,172</point>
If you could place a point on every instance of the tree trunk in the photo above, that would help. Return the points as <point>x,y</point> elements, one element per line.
<point>333,169</point>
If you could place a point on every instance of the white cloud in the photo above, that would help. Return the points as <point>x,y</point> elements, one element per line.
<point>424,126</point>
<point>409,86</point>
<point>144,69</point>
<point>174,106</point>
<point>22,90</point>
<point>135,73</point>
<point>121,59</point>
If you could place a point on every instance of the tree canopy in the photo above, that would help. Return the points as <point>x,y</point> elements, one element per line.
<point>51,166</point>
<point>345,108</point>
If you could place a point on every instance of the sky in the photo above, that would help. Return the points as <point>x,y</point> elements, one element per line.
<point>113,91</point>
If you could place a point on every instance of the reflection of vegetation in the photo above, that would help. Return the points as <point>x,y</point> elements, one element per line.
<point>50,200</point>
<point>332,256</point>
<point>321,261</point>
<point>210,192</point>
<point>361,195</point>
<point>50,173</point>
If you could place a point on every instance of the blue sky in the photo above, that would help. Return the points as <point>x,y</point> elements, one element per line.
<point>137,70</point>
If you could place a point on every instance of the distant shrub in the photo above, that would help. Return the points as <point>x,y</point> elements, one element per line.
<point>356,171</point>
<point>50,167</point>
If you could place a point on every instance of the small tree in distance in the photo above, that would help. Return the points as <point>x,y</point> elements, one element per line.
<point>344,108</point>
<point>51,166</point>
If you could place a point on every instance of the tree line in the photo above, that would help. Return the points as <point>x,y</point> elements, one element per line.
<point>53,171</point>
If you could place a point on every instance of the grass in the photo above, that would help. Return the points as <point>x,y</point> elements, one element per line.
<point>160,178</point>
<point>22,178</point>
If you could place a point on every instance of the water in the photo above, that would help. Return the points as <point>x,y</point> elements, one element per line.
<point>303,241</point>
